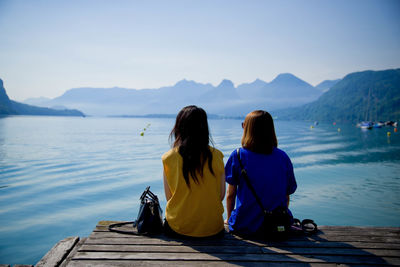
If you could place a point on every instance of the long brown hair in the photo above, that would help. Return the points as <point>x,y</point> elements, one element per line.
<point>192,139</point>
<point>259,132</point>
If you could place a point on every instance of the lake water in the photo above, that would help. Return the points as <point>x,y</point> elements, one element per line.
<point>59,176</point>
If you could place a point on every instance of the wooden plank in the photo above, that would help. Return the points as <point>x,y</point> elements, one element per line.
<point>319,237</point>
<point>155,241</point>
<point>307,242</point>
<point>317,244</point>
<point>58,253</point>
<point>168,249</point>
<point>104,234</point>
<point>241,249</point>
<point>116,263</point>
<point>363,228</point>
<point>363,232</point>
<point>344,238</point>
<point>334,251</point>
<point>104,229</point>
<point>236,257</point>
<point>322,227</point>
<point>73,251</point>
<point>183,256</point>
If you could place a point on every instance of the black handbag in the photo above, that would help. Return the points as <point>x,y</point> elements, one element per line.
<point>276,223</point>
<point>149,219</point>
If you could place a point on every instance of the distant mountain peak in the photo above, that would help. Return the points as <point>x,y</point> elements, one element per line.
<point>289,79</point>
<point>258,82</point>
<point>185,82</point>
<point>226,83</point>
<point>286,76</point>
<point>326,85</point>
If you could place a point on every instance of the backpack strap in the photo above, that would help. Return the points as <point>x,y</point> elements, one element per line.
<point>249,185</point>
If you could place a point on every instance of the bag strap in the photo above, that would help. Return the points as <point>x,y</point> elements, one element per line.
<point>246,178</point>
<point>112,227</point>
<point>148,194</point>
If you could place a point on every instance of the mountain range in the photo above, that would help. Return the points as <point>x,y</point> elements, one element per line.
<point>10,107</point>
<point>286,90</point>
<point>367,95</point>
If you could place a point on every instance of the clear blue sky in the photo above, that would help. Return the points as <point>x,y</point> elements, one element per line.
<point>48,47</point>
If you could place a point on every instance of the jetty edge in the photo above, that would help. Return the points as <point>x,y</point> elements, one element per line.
<point>331,246</point>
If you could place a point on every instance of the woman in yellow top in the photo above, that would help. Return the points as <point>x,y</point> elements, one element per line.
<point>194,178</point>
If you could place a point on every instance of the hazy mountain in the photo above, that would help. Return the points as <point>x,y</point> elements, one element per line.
<point>10,107</point>
<point>284,86</point>
<point>123,101</point>
<point>287,85</point>
<point>5,102</point>
<point>251,90</point>
<point>286,90</point>
<point>326,85</point>
<point>367,95</point>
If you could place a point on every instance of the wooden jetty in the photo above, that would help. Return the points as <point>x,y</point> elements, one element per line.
<point>331,246</point>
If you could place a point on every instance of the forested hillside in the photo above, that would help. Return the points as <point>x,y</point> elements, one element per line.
<point>367,95</point>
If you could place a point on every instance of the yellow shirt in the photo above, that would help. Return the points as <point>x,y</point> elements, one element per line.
<point>195,211</point>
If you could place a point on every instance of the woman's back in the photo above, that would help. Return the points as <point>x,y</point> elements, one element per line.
<point>196,210</point>
<point>194,180</point>
<point>270,172</point>
<point>272,177</point>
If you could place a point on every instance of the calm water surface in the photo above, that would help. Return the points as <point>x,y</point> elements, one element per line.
<point>59,176</point>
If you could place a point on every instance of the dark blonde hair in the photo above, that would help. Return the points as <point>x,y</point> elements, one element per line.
<point>192,139</point>
<point>259,132</point>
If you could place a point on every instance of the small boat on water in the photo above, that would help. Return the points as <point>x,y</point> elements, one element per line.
<point>391,123</point>
<point>366,125</point>
<point>379,124</point>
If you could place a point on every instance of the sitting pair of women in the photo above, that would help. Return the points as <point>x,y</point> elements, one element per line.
<point>195,176</point>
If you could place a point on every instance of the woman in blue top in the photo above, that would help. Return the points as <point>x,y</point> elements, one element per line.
<point>270,172</point>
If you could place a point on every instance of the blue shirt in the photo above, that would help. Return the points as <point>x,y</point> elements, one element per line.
<point>273,179</point>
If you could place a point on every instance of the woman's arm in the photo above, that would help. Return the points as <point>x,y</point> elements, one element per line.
<point>287,200</point>
<point>223,188</point>
<point>230,200</point>
<point>168,194</point>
